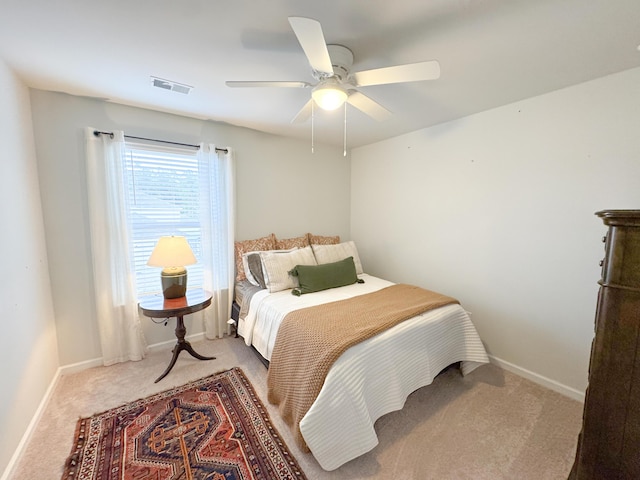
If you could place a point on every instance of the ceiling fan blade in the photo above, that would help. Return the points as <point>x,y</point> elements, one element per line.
<point>368,106</point>
<point>411,72</point>
<point>311,38</point>
<point>241,84</point>
<point>304,113</point>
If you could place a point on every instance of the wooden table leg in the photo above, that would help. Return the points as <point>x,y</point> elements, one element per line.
<point>181,345</point>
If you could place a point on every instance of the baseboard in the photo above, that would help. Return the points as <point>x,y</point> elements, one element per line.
<point>196,337</point>
<point>80,366</point>
<point>97,362</point>
<point>32,425</point>
<point>539,379</point>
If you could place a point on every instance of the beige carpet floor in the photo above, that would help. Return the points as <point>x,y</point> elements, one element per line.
<point>489,425</point>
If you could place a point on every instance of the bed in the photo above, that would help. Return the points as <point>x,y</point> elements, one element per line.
<point>371,378</point>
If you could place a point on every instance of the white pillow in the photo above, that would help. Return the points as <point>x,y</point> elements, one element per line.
<point>276,266</point>
<point>247,270</point>
<point>335,253</point>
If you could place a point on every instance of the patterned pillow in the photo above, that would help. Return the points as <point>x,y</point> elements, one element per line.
<point>335,253</point>
<point>258,244</point>
<point>320,240</point>
<point>288,243</point>
<point>276,267</point>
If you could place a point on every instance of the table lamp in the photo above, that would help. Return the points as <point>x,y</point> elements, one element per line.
<point>172,254</point>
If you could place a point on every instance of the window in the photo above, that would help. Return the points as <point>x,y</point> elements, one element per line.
<point>163,195</point>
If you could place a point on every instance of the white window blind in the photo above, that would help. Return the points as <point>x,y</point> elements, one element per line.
<point>163,195</point>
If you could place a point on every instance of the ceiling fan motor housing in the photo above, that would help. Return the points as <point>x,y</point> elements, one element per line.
<point>341,60</point>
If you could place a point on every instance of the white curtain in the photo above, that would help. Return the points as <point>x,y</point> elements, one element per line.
<point>119,324</point>
<point>217,194</point>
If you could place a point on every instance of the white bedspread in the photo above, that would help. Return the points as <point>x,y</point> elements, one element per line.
<point>372,378</point>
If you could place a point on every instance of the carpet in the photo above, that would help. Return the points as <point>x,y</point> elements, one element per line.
<point>215,428</point>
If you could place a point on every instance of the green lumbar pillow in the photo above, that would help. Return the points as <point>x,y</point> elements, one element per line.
<point>313,278</point>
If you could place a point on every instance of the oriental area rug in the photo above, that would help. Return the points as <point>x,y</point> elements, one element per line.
<point>215,428</point>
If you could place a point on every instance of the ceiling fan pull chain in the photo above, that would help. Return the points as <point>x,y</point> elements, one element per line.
<point>313,111</point>
<point>344,151</point>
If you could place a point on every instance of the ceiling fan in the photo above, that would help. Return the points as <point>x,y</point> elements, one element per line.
<point>336,84</point>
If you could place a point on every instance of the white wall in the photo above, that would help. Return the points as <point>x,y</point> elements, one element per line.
<point>28,356</point>
<point>281,188</point>
<point>497,209</point>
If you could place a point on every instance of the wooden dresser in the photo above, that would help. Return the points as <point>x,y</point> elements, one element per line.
<point>609,444</point>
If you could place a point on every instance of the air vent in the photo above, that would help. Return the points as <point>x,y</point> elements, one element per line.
<point>170,85</point>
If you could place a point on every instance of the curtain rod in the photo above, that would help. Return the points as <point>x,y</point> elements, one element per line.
<point>98,133</point>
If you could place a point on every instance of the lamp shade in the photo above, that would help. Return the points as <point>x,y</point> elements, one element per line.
<point>171,251</point>
<point>329,96</point>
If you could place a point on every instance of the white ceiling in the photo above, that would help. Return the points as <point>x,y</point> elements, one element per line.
<point>491,52</point>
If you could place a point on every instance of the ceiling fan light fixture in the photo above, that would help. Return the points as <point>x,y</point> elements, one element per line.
<point>329,96</point>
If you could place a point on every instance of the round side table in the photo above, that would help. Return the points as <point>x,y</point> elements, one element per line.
<point>156,306</point>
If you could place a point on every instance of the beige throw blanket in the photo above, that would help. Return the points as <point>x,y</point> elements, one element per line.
<point>311,339</point>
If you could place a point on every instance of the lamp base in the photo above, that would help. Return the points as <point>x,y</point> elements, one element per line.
<point>174,282</point>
